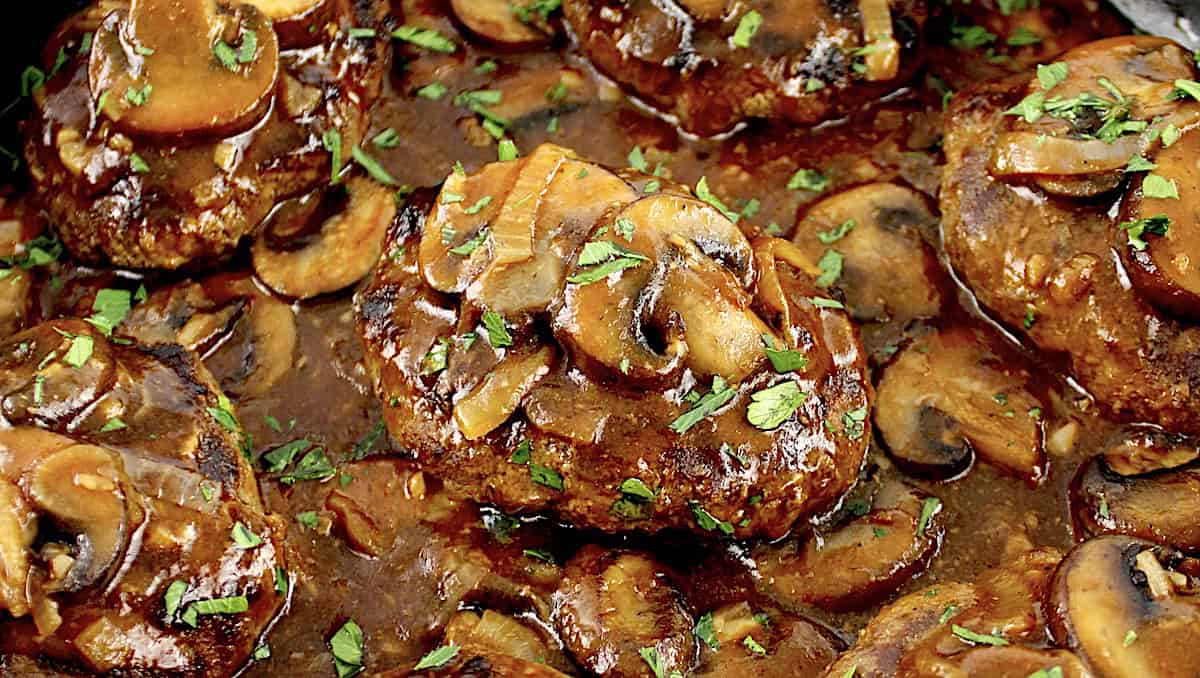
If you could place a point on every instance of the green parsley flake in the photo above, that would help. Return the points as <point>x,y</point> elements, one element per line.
<point>230,605</point>
<point>824,302</point>
<point>747,27</point>
<point>836,233</point>
<point>1023,37</point>
<point>809,180</point>
<point>831,268</point>
<point>174,596</point>
<point>496,330</point>
<point>1130,638</point>
<point>977,638</point>
<point>80,350</point>
<point>138,164</point>
<point>372,166</point>
<point>705,406</point>
<point>433,91</point>
<point>1170,135</point>
<point>1159,187</point>
<point>314,465</point>
<point>281,457</point>
<point>708,521</point>
<point>114,424</point>
<point>707,196</point>
<point>1136,230</point>
<point>783,361</point>
<point>244,538</point>
<point>770,407</point>
<point>523,453</point>
<point>332,141</point>
<point>507,151</point>
<point>1052,75</point>
<point>1139,164</point>
<point>752,645</point>
<point>929,509</point>
<point>138,97</point>
<point>637,490</point>
<point>1189,88</point>
<point>545,476</point>
<point>479,205</point>
<point>1030,109</point>
<point>346,645</point>
<point>359,33</point>
<point>704,631</point>
<point>110,309</point>
<point>307,519</point>
<point>426,38</point>
<point>638,161</point>
<point>438,658</point>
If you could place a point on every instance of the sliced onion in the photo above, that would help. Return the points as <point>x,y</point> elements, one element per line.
<point>1025,153</point>
<point>883,61</point>
<point>493,401</point>
<point>512,232</point>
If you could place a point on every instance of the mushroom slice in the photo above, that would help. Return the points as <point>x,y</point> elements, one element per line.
<point>497,21</point>
<point>534,94</point>
<point>675,296</point>
<point>798,644</point>
<point>1143,449</point>
<point>1013,661</point>
<point>1162,506</point>
<point>81,489</point>
<point>297,22</point>
<point>873,555</point>
<point>1061,153</point>
<point>18,527</point>
<point>1118,603</point>
<point>1158,228</point>
<point>342,253</point>
<point>160,63</point>
<point>915,636</point>
<point>491,634</point>
<point>613,603</point>
<point>874,232</point>
<point>946,397</point>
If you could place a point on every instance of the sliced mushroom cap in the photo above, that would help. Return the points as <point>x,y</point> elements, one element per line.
<point>1061,153</point>
<point>1158,231</point>
<point>81,489</point>
<point>873,555</point>
<point>682,303</point>
<point>161,62</point>
<point>915,636</point>
<point>802,646</point>
<point>492,634</point>
<point>1161,506</point>
<point>532,95</point>
<point>503,234</point>
<point>1013,661</point>
<point>1137,449</point>
<point>1118,603</point>
<point>38,385</point>
<point>496,21</point>
<point>947,397</point>
<point>874,232</point>
<point>339,255</point>
<point>611,604</point>
<point>246,337</point>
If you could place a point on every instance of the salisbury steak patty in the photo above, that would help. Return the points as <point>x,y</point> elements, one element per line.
<point>168,130</point>
<point>547,334</point>
<point>714,63</point>
<point>1031,220</point>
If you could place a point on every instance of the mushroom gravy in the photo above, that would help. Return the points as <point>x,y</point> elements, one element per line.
<point>996,434</point>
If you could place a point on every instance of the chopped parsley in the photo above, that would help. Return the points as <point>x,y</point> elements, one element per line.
<point>307,519</point>
<point>752,645</point>
<point>173,596</point>
<point>1023,37</point>
<point>809,180</point>
<point>507,151</point>
<point>332,141</point>
<point>837,232</point>
<point>770,407</point>
<point>746,28</point>
<point>538,554</point>
<point>523,453</point>
<point>783,360</point>
<point>138,96</point>
<point>824,302</point>
<point>496,330</point>
<point>244,538</point>
<point>1159,187</point>
<point>426,38</point>
<point>971,37</point>
<point>479,205</point>
<point>114,424</point>
<point>708,521</point>
<point>1052,75</point>
<point>707,196</point>
<point>372,166</point>
<point>109,309</point>
<point>831,268</point>
<point>1139,164</point>
<point>637,160</point>
<point>546,476</point>
<point>438,658</point>
<point>138,164</point>
<point>602,258</point>
<point>281,457</point>
<point>346,645</point>
<point>1137,230</point>
<point>929,509</point>
<point>705,406</point>
<point>703,630</point>
<point>635,489</point>
<point>80,350</point>
<point>314,465</point>
<point>650,656</point>
<point>977,638</point>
